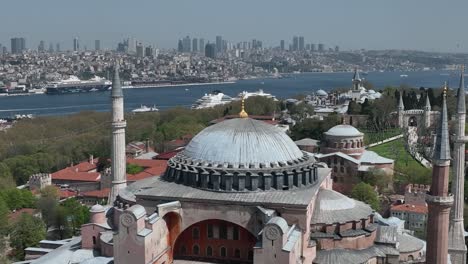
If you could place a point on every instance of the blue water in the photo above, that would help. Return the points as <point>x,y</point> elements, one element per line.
<point>167,97</point>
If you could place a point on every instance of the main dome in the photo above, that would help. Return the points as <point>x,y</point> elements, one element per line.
<point>343,131</point>
<point>242,141</point>
<point>242,154</point>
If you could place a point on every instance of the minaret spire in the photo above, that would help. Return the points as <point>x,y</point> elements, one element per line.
<point>400,110</point>
<point>438,199</point>
<point>243,113</point>
<point>457,247</point>
<point>118,167</point>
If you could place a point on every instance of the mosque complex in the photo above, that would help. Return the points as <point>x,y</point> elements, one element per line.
<point>243,192</point>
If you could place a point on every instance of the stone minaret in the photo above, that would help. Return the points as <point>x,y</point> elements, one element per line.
<point>457,247</point>
<point>401,110</point>
<point>118,167</point>
<point>438,199</point>
<point>356,80</point>
<point>427,112</point>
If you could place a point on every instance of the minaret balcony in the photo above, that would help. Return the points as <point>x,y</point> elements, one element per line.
<point>441,200</point>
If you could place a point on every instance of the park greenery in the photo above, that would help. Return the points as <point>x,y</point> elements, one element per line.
<point>365,193</point>
<point>134,168</point>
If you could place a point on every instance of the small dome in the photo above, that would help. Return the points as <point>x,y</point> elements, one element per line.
<point>97,208</point>
<point>242,141</point>
<point>321,93</point>
<point>371,92</point>
<point>343,131</point>
<point>333,207</point>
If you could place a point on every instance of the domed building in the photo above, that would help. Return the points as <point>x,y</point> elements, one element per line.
<point>241,192</point>
<point>343,151</point>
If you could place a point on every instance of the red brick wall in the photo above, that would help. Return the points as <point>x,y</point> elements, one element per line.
<point>244,243</point>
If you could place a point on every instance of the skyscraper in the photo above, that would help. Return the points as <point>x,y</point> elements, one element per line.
<point>195,45</point>
<point>180,46</point>
<point>321,47</point>
<point>41,47</point>
<point>97,45</point>
<point>18,45</point>
<point>76,44</point>
<point>210,50</point>
<point>57,47</point>
<point>51,47</point>
<point>282,44</point>
<point>301,43</point>
<point>313,48</point>
<point>149,51</point>
<point>118,167</point>
<point>337,48</point>
<point>187,44</point>
<point>219,44</point>
<point>295,45</point>
<point>139,50</point>
<point>202,45</point>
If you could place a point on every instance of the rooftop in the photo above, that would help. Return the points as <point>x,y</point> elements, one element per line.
<point>344,131</point>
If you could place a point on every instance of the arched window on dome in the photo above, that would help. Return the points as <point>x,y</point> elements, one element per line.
<point>353,145</point>
<point>195,233</point>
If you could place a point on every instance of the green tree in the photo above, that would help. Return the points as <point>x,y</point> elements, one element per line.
<point>134,169</point>
<point>102,164</point>
<point>77,213</point>
<point>378,177</point>
<point>27,232</point>
<point>4,211</point>
<point>365,193</point>
<point>6,177</point>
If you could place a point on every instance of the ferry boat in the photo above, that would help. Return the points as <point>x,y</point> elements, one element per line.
<point>144,109</point>
<point>260,92</point>
<point>211,100</point>
<point>74,85</point>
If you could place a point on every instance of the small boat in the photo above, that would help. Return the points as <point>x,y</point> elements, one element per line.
<point>403,76</point>
<point>144,109</point>
<point>187,89</point>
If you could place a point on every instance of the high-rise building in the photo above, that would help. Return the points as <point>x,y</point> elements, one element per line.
<point>57,47</point>
<point>187,44</point>
<point>149,51</point>
<point>219,44</point>
<point>321,47</point>
<point>301,43</point>
<point>282,44</point>
<point>307,47</point>
<point>76,44</point>
<point>51,47</point>
<point>295,45</point>
<point>337,48</point>
<point>180,46</point>
<point>195,45</point>
<point>139,50</point>
<point>97,45</point>
<point>4,50</point>
<point>18,45</point>
<point>202,45</point>
<point>210,50</point>
<point>313,48</point>
<point>41,47</point>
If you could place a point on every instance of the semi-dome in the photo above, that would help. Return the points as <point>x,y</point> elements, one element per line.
<point>321,93</point>
<point>242,154</point>
<point>343,131</point>
<point>242,141</point>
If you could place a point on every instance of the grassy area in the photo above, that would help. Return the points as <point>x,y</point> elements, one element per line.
<point>407,169</point>
<point>373,137</point>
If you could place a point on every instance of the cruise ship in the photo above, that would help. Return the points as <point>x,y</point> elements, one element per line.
<point>260,92</point>
<point>211,100</point>
<point>74,85</point>
<point>145,109</point>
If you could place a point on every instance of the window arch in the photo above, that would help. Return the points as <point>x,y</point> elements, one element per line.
<point>94,240</point>
<point>237,253</point>
<point>196,250</point>
<point>209,251</point>
<point>195,233</point>
<point>223,252</point>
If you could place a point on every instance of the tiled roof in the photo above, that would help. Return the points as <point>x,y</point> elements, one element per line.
<point>147,163</point>
<point>104,193</point>
<point>167,155</point>
<point>85,166</point>
<point>14,216</point>
<point>410,208</point>
<point>70,174</point>
<point>66,193</point>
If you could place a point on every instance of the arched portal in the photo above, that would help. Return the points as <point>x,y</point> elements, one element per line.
<point>173,222</point>
<point>413,121</point>
<point>215,241</point>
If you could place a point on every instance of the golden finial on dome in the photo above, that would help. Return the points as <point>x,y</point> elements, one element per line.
<point>243,113</point>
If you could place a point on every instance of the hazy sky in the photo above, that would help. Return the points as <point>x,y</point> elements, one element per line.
<point>432,25</point>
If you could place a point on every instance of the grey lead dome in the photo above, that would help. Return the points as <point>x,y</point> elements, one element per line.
<point>242,141</point>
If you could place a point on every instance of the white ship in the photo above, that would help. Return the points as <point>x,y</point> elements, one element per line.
<point>74,85</point>
<point>211,100</point>
<point>260,92</point>
<point>144,109</point>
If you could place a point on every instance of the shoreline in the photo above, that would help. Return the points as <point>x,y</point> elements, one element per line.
<point>174,85</point>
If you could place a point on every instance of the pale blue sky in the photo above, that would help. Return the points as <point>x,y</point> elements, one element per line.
<point>431,25</point>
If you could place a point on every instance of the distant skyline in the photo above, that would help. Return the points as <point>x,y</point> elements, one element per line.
<point>427,25</point>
